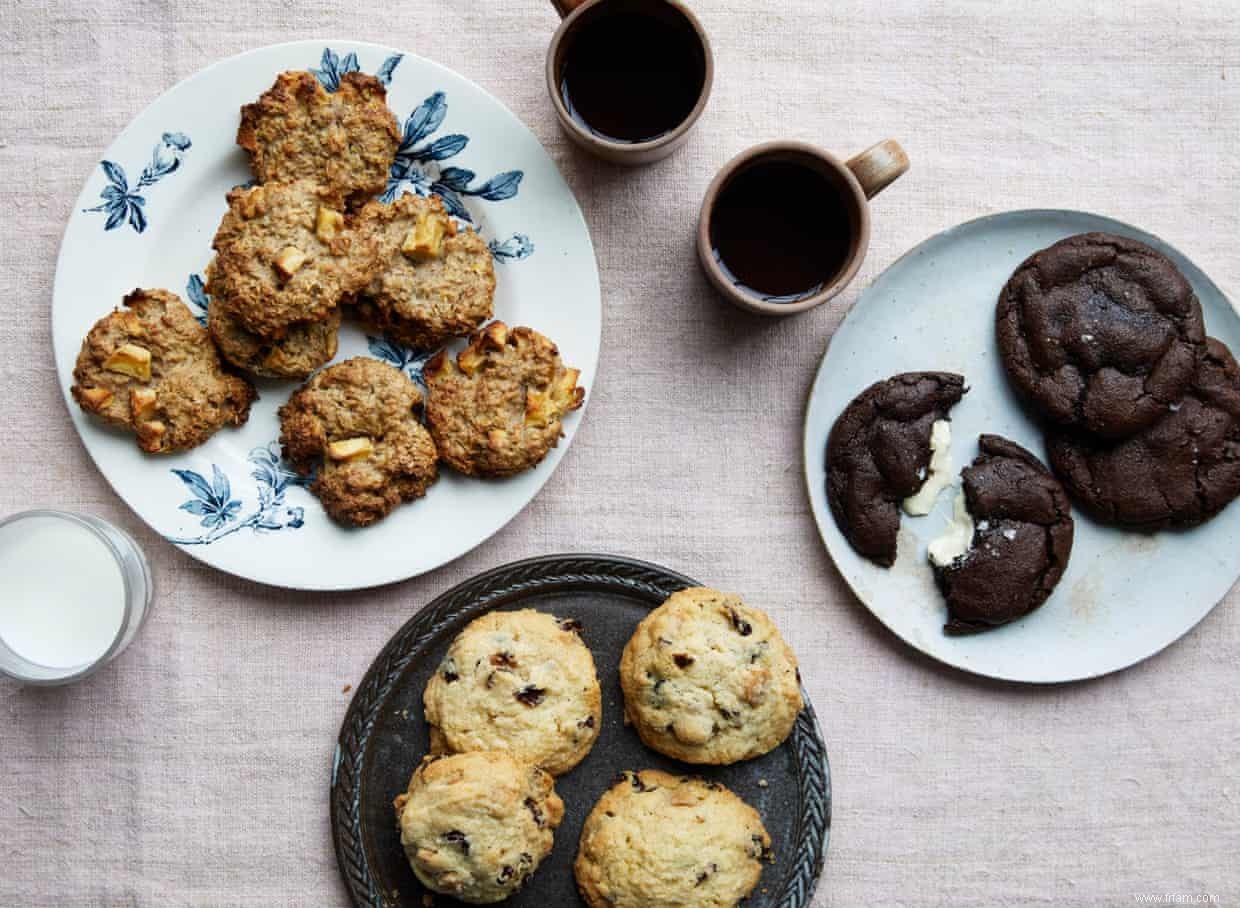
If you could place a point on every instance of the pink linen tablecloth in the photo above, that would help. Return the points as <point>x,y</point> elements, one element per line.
<point>194,770</point>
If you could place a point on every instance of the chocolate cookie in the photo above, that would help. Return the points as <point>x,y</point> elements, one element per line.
<point>1099,332</point>
<point>1180,471</point>
<point>151,367</point>
<point>345,140</point>
<point>879,453</point>
<point>1011,543</point>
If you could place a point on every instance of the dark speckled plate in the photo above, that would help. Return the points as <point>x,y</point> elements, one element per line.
<point>385,735</point>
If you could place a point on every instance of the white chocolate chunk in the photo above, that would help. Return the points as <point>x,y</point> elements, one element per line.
<point>957,538</point>
<point>922,501</point>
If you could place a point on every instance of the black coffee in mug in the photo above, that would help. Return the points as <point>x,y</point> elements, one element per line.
<point>633,70</point>
<point>781,230</point>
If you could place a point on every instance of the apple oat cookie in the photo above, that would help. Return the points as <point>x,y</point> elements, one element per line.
<point>655,840</point>
<point>354,426</point>
<point>346,139</point>
<point>497,409</point>
<point>523,682</point>
<point>476,826</point>
<point>432,282</point>
<point>285,255</point>
<point>303,348</point>
<point>708,679</point>
<point>151,367</point>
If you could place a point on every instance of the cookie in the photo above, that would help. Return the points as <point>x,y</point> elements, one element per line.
<point>879,453</point>
<point>432,282</point>
<point>475,826</point>
<point>522,682</point>
<point>708,679</point>
<point>346,139</point>
<point>655,840</point>
<point>1180,471</point>
<point>497,409</point>
<point>354,427</point>
<point>285,254</point>
<point>1010,540</point>
<point>304,347</point>
<point>1100,333</point>
<point>151,367</point>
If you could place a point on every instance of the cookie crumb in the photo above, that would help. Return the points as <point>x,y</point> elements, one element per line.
<point>763,783</point>
<point>346,688</point>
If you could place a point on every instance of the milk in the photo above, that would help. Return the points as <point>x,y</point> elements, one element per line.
<point>62,593</point>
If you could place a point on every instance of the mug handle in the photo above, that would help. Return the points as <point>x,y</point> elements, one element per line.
<point>876,168</point>
<point>564,7</point>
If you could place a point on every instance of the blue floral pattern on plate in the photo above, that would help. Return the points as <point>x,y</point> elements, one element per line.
<point>417,166</point>
<point>196,293</point>
<point>408,360</point>
<point>123,203</point>
<point>213,501</point>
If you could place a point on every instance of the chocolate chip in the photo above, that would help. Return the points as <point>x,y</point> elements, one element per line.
<point>531,695</point>
<point>526,859</point>
<point>743,627</point>
<point>456,837</point>
<point>758,849</point>
<point>704,875</point>
<point>490,681</point>
<point>682,660</point>
<point>504,660</point>
<point>505,874</point>
<point>570,624</point>
<point>728,714</point>
<point>534,809</point>
<point>587,722</point>
<point>451,676</point>
<point>633,780</point>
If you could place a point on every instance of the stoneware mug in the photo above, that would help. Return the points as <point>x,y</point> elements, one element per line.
<point>577,12</point>
<point>859,179</point>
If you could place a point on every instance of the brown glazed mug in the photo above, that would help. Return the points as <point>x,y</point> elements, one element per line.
<point>857,180</point>
<point>579,13</point>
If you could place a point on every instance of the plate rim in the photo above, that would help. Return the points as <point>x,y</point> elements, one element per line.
<point>62,263</point>
<point>807,453</point>
<point>495,588</point>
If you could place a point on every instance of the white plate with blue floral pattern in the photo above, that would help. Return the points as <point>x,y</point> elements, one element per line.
<point>1124,595</point>
<point>146,217</point>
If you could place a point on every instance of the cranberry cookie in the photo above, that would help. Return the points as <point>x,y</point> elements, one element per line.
<point>655,840</point>
<point>476,826</point>
<point>708,679</point>
<point>522,682</point>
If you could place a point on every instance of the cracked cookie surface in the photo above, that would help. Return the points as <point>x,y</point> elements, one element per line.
<point>1099,332</point>
<point>878,454</point>
<point>285,254</point>
<point>1180,471</point>
<point>1022,538</point>
<point>498,408</point>
<point>354,426</point>
<point>432,282</point>
<point>151,367</point>
<point>346,139</point>
<point>476,826</point>
<point>708,679</point>
<point>522,682</point>
<point>655,840</point>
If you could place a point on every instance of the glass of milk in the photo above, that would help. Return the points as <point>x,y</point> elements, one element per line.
<point>74,592</point>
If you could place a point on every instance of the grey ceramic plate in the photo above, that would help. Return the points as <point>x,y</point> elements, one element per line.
<point>384,737</point>
<point>1125,595</point>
